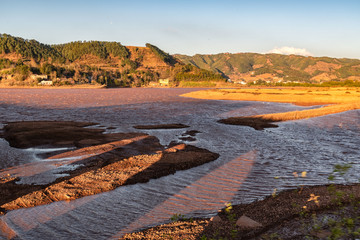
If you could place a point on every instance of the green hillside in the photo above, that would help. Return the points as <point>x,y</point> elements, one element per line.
<point>250,67</point>
<point>29,62</point>
<point>28,48</point>
<point>75,50</point>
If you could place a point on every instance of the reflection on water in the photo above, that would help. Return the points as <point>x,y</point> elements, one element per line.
<point>210,192</point>
<point>312,145</point>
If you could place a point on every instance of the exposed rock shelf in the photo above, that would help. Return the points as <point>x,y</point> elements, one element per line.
<point>104,161</point>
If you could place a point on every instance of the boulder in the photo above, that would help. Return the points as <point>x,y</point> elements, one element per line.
<point>247,222</point>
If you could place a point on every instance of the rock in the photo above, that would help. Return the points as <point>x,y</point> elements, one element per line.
<point>44,133</point>
<point>88,142</point>
<point>176,148</point>
<point>257,123</point>
<point>322,234</point>
<point>161,126</point>
<point>191,133</point>
<point>188,139</point>
<point>247,222</point>
<point>215,219</point>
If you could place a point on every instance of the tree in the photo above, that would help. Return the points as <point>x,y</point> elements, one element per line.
<point>47,68</point>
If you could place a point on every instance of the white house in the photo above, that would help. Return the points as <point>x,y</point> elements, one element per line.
<point>46,83</point>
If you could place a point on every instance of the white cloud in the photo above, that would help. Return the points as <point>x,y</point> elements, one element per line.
<point>291,50</point>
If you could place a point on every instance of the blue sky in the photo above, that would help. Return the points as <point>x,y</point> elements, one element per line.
<point>317,27</point>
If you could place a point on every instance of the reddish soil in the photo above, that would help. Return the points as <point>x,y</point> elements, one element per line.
<point>112,160</point>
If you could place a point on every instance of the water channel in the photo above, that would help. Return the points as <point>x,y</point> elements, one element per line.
<point>251,163</point>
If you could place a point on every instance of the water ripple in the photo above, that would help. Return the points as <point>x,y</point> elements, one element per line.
<point>313,146</point>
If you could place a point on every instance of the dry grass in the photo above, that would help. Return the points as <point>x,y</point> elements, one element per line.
<point>295,115</point>
<point>298,96</point>
<point>341,100</point>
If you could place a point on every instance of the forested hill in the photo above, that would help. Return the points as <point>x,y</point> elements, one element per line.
<point>28,62</point>
<point>29,49</point>
<point>249,67</point>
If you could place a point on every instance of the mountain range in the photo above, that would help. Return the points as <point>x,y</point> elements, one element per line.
<point>28,62</point>
<point>275,67</point>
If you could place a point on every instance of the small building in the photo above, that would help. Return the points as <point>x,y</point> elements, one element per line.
<point>242,82</point>
<point>164,82</point>
<point>46,83</point>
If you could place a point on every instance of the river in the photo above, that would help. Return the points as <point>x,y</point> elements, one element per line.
<point>252,164</point>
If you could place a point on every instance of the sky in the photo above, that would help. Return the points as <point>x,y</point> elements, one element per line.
<point>304,27</point>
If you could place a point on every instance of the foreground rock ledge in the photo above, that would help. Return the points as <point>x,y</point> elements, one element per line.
<point>122,159</point>
<point>283,215</point>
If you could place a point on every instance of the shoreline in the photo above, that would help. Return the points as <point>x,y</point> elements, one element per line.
<point>85,86</point>
<point>275,214</point>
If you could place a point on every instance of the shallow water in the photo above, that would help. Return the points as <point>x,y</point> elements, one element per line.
<point>251,164</point>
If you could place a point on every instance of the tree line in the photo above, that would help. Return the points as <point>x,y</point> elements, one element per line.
<point>119,69</point>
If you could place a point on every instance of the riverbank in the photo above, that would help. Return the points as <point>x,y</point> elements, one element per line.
<point>79,86</point>
<point>183,84</point>
<point>317,212</point>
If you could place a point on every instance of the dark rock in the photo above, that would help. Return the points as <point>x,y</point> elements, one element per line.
<point>162,126</point>
<point>256,123</point>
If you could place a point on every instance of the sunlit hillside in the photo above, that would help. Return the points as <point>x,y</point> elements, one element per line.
<point>276,68</point>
